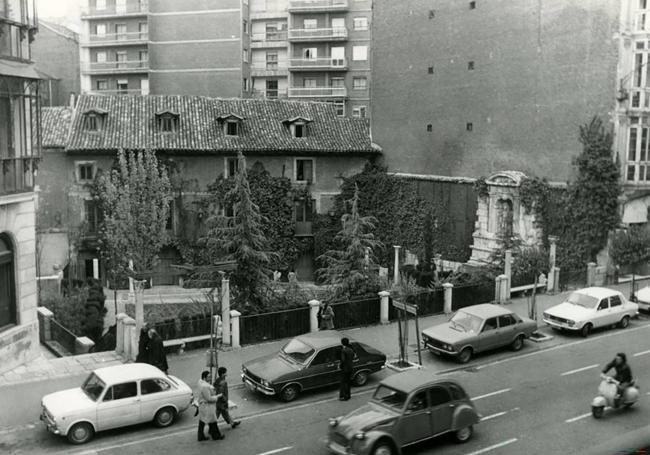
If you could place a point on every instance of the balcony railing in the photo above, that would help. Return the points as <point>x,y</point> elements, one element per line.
<point>274,70</point>
<point>129,66</point>
<point>269,36</point>
<point>317,5</point>
<point>132,8</point>
<point>318,63</point>
<point>130,91</point>
<point>117,39</point>
<point>17,175</point>
<point>318,34</point>
<point>317,92</point>
<point>271,94</point>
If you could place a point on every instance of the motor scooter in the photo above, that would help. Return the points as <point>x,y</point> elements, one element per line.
<point>606,394</point>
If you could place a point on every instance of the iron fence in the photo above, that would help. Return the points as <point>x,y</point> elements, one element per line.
<point>185,327</point>
<point>572,278</point>
<point>273,326</point>
<point>64,337</point>
<point>356,313</point>
<point>471,294</point>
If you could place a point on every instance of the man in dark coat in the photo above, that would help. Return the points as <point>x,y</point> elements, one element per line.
<point>157,356</point>
<point>143,345</point>
<point>347,357</point>
<point>221,387</point>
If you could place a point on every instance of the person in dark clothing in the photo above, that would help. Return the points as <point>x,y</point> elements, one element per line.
<point>143,345</point>
<point>623,373</point>
<point>156,352</point>
<point>347,357</point>
<point>221,387</point>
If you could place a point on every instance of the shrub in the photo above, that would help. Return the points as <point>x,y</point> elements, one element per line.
<point>631,246</point>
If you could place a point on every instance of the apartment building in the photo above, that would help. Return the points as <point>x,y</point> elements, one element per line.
<point>19,154</point>
<point>312,50</point>
<point>189,47</point>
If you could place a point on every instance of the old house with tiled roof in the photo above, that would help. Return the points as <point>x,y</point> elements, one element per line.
<point>305,142</point>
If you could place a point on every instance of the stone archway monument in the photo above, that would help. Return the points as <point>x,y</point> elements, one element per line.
<point>500,215</point>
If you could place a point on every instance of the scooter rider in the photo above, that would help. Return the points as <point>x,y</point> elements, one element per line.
<point>623,373</point>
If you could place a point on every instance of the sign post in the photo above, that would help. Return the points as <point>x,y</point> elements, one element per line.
<point>406,308</point>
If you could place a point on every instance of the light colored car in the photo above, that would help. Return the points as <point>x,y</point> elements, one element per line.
<point>114,397</point>
<point>405,409</point>
<point>478,328</point>
<point>590,308</point>
<point>642,298</point>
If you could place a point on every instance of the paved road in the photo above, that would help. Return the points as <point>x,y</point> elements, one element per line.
<point>535,401</point>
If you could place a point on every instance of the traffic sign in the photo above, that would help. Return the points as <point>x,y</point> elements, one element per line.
<point>413,309</point>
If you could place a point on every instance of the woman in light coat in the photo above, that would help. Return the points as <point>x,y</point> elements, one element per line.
<point>207,409</point>
<point>326,317</point>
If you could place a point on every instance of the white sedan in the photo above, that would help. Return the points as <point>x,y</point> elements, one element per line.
<point>590,308</point>
<point>114,397</point>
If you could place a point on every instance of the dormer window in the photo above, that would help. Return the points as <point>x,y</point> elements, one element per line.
<point>299,130</point>
<point>298,126</point>
<point>94,120</point>
<point>167,121</point>
<point>231,123</point>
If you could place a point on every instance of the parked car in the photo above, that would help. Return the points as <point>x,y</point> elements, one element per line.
<point>590,308</point>
<point>114,397</point>
<point>406,408</point>
<point>478,328</point>
<point>308,362</point>
<point>642,298</point>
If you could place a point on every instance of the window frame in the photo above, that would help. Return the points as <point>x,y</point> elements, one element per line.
<point>156,381</point>
<point>78,171</point>
<point>167,123</point>
<point>227,160</point>
<point>295,169</point>
<point>228,124</point>
<point>363,79</point>
<point>8,263</point>
<point>362,21</point>
<point>356,53</point>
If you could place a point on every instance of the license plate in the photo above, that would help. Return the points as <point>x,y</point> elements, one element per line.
<point>250,385</point>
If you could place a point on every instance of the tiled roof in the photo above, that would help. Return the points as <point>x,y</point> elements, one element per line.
<point>55,124</point>
<point>131,124</point>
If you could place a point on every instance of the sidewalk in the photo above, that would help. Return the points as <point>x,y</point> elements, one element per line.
<point>188,366</point>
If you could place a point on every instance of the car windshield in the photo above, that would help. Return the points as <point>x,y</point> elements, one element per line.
<point>93,386</point>
<point>584,300</point>
<point>466,321</point>
<point>389,397</point>
<point>297,350</point>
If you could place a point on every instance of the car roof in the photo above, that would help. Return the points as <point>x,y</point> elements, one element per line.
<point>128,372</point>
<point>486,310</point>
<point>410,380</point>
<point>598,292</point>
<point>323,338</point>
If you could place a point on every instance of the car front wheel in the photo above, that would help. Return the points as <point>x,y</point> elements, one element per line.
<point>383,448</point>
<point>80,433</point>
<point>624,322</point>
<point>289,393</point>
<point>465,355</point>
<point>164,417</point>
<point>464,434</point>
<point>586,330</point>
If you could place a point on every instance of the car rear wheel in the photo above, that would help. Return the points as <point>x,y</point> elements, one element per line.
<point>624,322</point>
<point>464,434</point>
<point>586,330</point>
<point>597,411</point>
<point>360,378</point>
<point>164,417</point>
<point>518,343</point>
<point>383,448</point>
<point>289,393</point>
<point>465,355</point>
<point>80,433</point>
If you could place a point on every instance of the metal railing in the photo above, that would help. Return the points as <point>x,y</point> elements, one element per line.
<point>317,63</point>
<point>17,175</point>
<point>269,36</point>
<point>116,38</point>
<point>130,91</point>
<point>63,336</point>
<point>273,326</point>
<point>115,66</point>
<point>318,5</point>
<point>309,92</point>
<point>116,9</point>
<point>309,34</point>
<point>269,94</point>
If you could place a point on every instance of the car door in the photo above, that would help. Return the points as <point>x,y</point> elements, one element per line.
<point>153,394</point>
<point>507,329</point>
<point>120,406</point>
<point>323,369</point>
<point>488,338</point>
<point>616,308</point>
<point>602,315</point>
<point>416,423</point>
<point>442,409</point>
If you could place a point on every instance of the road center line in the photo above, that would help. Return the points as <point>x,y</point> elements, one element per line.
<point>491,394</point>
<point>495,446</point>
<point>641,353</point>
<point>283,449</point>
<point>566,373</point>
<point>498,414</point>
<point>574,419</point>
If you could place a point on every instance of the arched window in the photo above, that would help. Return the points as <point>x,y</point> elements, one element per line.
<point>504,218</point>
<point>7,284</point>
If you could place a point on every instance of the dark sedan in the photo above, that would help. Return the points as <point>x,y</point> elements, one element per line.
<point>308,362</point>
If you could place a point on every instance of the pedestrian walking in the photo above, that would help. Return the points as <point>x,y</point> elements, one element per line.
<point>156,351</point>
<point>207,410</point>
<point>221,387</point>
<point>143,345</point>
<point>347,357</point>
<point>326,318</point>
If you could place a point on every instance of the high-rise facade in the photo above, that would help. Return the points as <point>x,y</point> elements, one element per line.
<point>19,154</point>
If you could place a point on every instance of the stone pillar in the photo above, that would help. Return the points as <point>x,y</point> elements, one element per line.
<point>139,303</point>
<point>553,276</point>
<point>552,239</point>
<point>313,315</point>
<point>508,273</point>
<point>449,289</point>
<point>129,339</point>
<point>45,319</point>
<point>82,345</point>
<point>225,309</point>
<point>131,288</point>
<point>556,279</point>
<point>504,289</point>
<point>96,269</point>
<point>234,333</point>
<point>384,298</point>
<point>121,303</point>
<point>396,270</point>
<point>591,273</point>
<point>119,332</point>
<point>497,289</point>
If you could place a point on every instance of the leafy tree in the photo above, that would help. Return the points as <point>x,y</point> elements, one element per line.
<point>93,324</point>
<point>134,198</point>
<point>352,265</point>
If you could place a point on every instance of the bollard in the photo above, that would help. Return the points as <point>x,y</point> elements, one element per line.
<point>119,332</point>
<point>234,329</point>
<point>129,339</point>
<point>46,317</point>
<point>83,345</point>
<point>591,274</point>
<point>508,274</point>
<point>556,279</point>
<point>314,305</point>
<point>384,297</point>
<point>449,289</point>
<point>504,289</point>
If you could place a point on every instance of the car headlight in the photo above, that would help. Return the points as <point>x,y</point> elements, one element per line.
<point>360,436</point>
<point>333,421</point>
<point>265,383</point>
<point>545,315</point>
<point>570,322</point>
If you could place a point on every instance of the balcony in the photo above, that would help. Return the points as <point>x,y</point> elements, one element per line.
<point>129,66</point>
<point>117,39</point>
<point>269,71</point>
<point>269,40</point>
<point>318,34</point>
<point>17,175</point>
<point>312,64</point>
<point>317,6</point>
<point>317,92</point>
<point>129,9</point>
<point>269,94</point>
<point>130,91</point>
<point>639,100</point>
<point>268,14</point>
